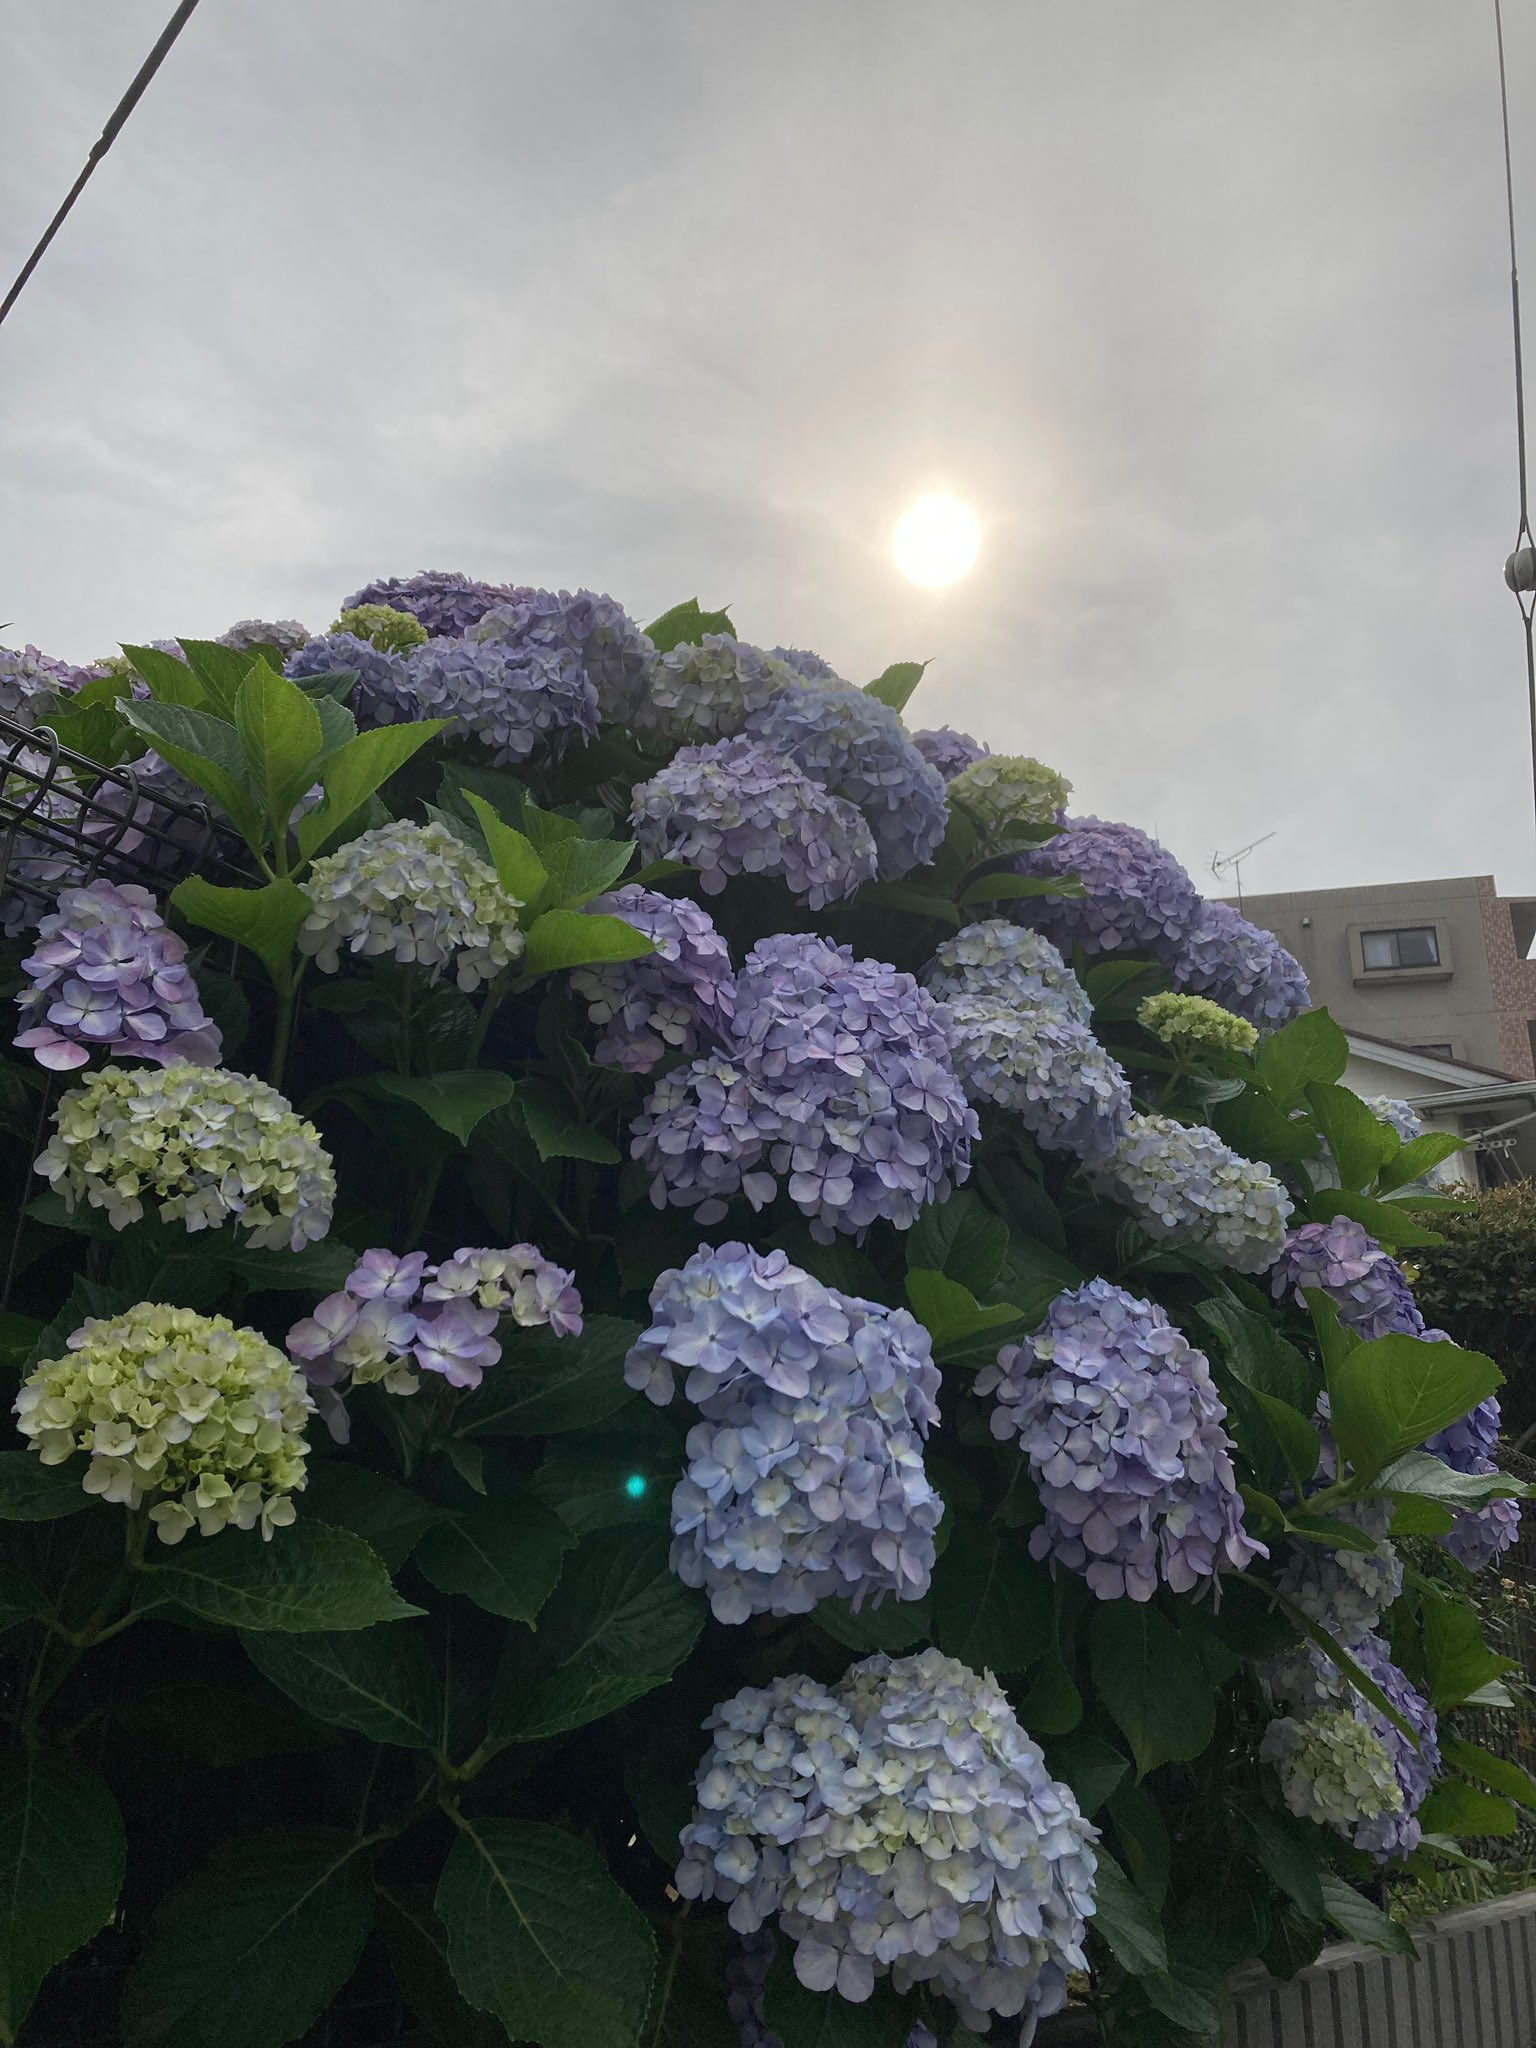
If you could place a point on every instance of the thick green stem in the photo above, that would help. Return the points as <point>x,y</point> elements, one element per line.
<point>282,1032</point>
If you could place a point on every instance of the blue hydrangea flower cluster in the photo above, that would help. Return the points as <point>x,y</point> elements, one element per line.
<point>1126,1440</point>
<point>1242,968</point>
<point>1138,897</point>
<point>805,1477</point>
<point>1479,1536</point>
<point>858,749</point>
<point>27,673</point>
<point>837,1079</point>
<point>949,751</point>
<point>1045,1067</point>
<point>900,1821</point>
<point>615,658</point>
<point>737,808</point>
<point>1402,1116</point>
<point>710,690</point>
<point>286,635</point>
<point>109,976</point>
<point>1180,1181</point>
<point>1347,1591</point>
<point>681,998</point>
<point>809,667</point>
<point>508,698</point>
<point>1345,1262</point>
<point>382,694</point>
<point>446,603</point>
<point>1010,964</point>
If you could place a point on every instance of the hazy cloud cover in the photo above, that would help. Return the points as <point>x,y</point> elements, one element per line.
<point>1202,304</point>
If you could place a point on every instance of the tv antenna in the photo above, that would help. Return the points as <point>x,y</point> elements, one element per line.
<point>1224,864</point>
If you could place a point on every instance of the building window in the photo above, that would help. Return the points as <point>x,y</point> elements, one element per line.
<point>1412,946</point>
<point>1435,1052</point>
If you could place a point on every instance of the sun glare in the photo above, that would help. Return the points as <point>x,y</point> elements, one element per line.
<point>936,540</point>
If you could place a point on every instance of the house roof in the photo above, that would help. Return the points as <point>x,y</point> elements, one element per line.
<point>1427,1066</point>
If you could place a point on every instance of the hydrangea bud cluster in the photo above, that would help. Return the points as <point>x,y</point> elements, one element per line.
<point>1125,1436</point>
<point>382,627</point>
<point>949,751</point>
<point>837,1079</point>
<point>1138,897</point>
<point>1010,964</point>
<point>710,690</point>
<point>857,748</point>
<point>1180,1181</point>
<point>202,1419</point>
<point>506,698</point>
<point>805,1477</point>
<point>415,893</point>
<point>1478,1536</point>
<point>1242,968</point>
<point>1402,1116</point>
<point>678,999</point>
<point>1010,789</point>
<point>107,975</point>
<point>1347,1591</point>
<point>397,1316</point>
<point>900,1821</point>
<point>1044,1066</point>
<point>207,1146</point>
<point>446,603</point>
<point>736,808</point>
<point>382,694</point>
<point>616,659</point>
<point>1193,1024</point>
<point>286,635</point>
<point>1343,1261</point>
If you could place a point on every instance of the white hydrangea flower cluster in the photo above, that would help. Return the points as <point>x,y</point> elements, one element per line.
<point>1009,963</point>
<point>1194,1024</point>
<point>710,689</point>
<point>1333,1768</point>
<point>204,1420</point>
<point>208,1146</point>
<point>417,894</point>
<point>1011,789</point>
<point>900,1821</point>
<point>1180,1181</point>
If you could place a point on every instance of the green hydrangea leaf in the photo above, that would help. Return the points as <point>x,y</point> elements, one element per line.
<point>62,1857</point>
<point>308,1577</point>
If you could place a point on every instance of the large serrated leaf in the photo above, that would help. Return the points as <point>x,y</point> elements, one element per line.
<point>310,1576</point>
<point>1151,1683</point>
<point>31,1491</point>
<point>62,1854</point>
<point>551,1384</point>
<point>504,1553</point>
<point>379,1681</point>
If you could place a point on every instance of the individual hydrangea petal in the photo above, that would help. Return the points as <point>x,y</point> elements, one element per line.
<point>1010,964</point>
<point>679,999</point>
<point>709,691</point>
<point>417,894</point>
<point>200,1420</point>
<point>1345,1262</point>
<point>382,694</point>
<point>1180,1181</point>
<point>949,751</point>
<point>1138,898</point>
<point>507,698</point>
<point>204,1145</point>
<point>1011,789</point>
<point>615,658</point>
<point>1192,1024</point>
<point>108,975</point>
<point>1046,1067</point>
<point>900,1822</point>
<point>382,627</point>
<point>286,635</point>
<point>858,748</point>
<point>446,603</point>
<point>1126,1439</point>
<point>736,808</point>
<point>1237,965</point>
<point>805,1476</point>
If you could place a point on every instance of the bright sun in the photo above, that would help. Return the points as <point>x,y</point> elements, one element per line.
<point>936,540</point>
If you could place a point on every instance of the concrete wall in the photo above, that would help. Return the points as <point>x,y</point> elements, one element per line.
<point>1474,1986</point>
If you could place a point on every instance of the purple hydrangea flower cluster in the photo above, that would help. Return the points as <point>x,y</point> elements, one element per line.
<point>447,603</point>
<point>1345,1262</point>
<point>1009,964</point>
<point>1347,1591</point>
<point>382,695</point>
<point>1125,1435</point>
<point>678,999</point>
<point>1180,1181</point>
<point>1045,1067</point>
<point>1139,898</point>
<point>615,657</point>
<point>858,749</point>
<point>736,808</point>
<point>900,1821</point>
<point>395,1317</point>
<point>507,698</point>
<point>805,1477</point>
<point>809,667</point>
<point>949,751</point>
<point>27,673</point>
<point>710,690</point>
<point>1478,1536</point>
<point>109,976</point>
<point>1237,965</point>
<point>286,635</point>
<point>837,1078</point>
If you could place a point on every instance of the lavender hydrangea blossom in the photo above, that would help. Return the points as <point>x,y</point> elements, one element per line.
<point>711,690</point>
<point>108,975</point>
<point>900,1821</point>
<point>1479,1536</point>
<point>857,748</point>
<point>26,674</point>
<point>808,666</point>
<point>735,808</point>
<point>805,1477</point>
<point>1138,897</point>
<point>1180,1181</point>
<point>382,694</point>
<point>448,604</point>
<point>615,657</point>
<point>1402,1116</point>
<point>1125,1435</point>
<point>509,699</point>
<point>1234,963</point>
<point>678,999</point>
<point>1009,964</point>
<point>1347,1591</point>
<point>416,894</point>
<point>949,751</point>
<point>286,635</point>
<point>1345,1262</point>
<point>1044,1066</point>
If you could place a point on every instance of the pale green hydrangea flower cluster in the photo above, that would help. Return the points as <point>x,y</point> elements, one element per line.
<point>1195,1024</point>
<point>204,1420</point>
<point>1333,1768</point>
<point>1011,789</point>
<point>390,631</point>
<point>208,1146</point>
<point>417,894</point>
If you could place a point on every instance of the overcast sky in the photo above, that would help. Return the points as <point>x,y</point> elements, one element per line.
<point>1203,305</point>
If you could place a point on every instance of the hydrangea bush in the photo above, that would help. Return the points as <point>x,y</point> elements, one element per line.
<point>690,1369</point>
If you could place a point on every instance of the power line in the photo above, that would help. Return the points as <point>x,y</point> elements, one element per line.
<point>1520,569</point>
<point>108,136</point>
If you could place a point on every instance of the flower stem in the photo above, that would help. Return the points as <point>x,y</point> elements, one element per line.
<point>282,1033</point>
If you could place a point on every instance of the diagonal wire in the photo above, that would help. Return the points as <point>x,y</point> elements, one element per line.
<point>1520,569</point>
<point>104,142</point>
